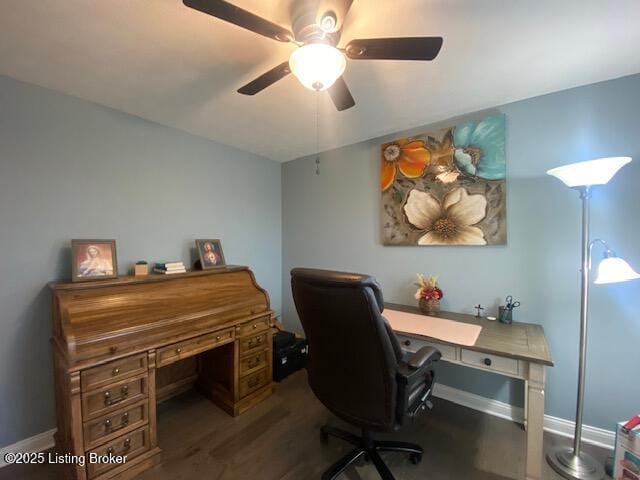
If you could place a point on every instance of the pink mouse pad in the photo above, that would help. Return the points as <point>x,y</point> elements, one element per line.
<point>446,330</point>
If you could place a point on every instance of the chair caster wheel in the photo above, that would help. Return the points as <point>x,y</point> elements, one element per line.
<point>415,458</point>
<point>324,437</point>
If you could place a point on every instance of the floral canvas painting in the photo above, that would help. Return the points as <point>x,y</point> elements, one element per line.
<point>446,187</point>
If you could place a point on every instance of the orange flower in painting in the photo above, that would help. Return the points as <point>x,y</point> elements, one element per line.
<point>411,157</point>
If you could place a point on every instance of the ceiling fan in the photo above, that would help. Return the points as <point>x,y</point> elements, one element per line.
<point>318,63</point>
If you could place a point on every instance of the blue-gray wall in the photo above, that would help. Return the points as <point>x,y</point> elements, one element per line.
<point>73,169</point>
<point>332,221</point>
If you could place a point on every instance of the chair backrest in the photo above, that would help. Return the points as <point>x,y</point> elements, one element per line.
<point>353,353</point>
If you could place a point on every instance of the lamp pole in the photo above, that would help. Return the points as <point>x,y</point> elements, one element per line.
<point>585,195</point>
<point>572,463</point>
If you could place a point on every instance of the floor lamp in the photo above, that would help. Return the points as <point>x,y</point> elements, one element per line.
<point>572,462</point>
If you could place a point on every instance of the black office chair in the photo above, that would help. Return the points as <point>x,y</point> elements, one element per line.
<point>356,366</point>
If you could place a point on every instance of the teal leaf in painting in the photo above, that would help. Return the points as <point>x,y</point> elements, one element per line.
<point>480,148</point>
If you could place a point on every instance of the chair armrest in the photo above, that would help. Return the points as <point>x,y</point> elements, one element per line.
<point>423,356</point>
<point>415,377</point>
<point>414,368</point>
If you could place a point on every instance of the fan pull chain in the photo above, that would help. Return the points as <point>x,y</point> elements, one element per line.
<point>317,135</point>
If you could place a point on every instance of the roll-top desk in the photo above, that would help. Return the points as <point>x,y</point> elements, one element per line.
<point>121,345</point>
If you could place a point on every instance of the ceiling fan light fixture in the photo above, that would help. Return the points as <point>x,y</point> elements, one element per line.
<point>317,65</point>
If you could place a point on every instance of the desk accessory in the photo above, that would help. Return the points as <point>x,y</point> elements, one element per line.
<point>451,331</point>
<point>428,294</point>
<point>210,252</point>
<point>93,260</point>
<point>169,268</point>
<point>505,312</point>
<point>141,268</point>
<point>572,462</point>
<point>479,309</point>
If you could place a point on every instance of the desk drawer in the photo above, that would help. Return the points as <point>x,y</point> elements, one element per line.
<point>413,344</point>
<point>253,343</point>
<point>132,444</point>
<point>193,346</point>
<point>113,371</point>
<point>253,327</point>
<point>254,362</point>
<point>101,430</point>
<point>490,362</point>
<point>111,398</point>
<point>253,382</point>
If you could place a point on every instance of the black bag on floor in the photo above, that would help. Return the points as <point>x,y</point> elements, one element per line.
<point>289,354</point>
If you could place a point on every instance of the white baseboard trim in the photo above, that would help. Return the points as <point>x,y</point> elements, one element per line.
<point>593,435</point>
<point>560,426</point>
<point>37,443</point>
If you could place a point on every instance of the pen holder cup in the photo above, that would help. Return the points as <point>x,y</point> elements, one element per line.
<point>505,315</point>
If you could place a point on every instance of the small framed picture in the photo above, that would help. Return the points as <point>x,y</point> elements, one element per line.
<point>210,252</point>
<point>93,260</point>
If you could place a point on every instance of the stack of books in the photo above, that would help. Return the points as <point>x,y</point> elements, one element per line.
<point>169,268</point>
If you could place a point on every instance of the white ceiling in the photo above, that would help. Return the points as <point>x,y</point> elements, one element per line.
<point>165,62</point>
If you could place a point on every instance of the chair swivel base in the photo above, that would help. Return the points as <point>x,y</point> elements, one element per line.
<point>367,446</point>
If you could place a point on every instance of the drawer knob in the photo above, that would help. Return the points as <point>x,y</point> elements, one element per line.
<point>178,350</point>
<point>218,337</point>
<point>255,325</point>
<point>127,444</point>
<point>407,342</point>
<point>115,371</point>
<point>487,362</point>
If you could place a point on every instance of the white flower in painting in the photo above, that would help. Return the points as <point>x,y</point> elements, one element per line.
<point>450,222</point>
<point>448,176</point>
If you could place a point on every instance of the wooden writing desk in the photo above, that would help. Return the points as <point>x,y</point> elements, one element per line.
<point>519,351</point>
<point>121,345</point>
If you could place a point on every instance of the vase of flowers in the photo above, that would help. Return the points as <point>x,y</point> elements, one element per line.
<point>428,294</point>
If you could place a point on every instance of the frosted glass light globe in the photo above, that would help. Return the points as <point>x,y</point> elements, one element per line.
<point>317,65</point>
<point>591,172</point>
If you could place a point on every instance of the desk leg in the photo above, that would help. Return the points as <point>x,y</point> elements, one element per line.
<point>535,421</point>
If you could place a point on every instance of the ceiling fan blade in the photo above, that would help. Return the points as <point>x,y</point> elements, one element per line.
<point>337,9</point>
<point>266,79</point>
<point>242,18</point>
<point>340,94</point>
<point>409,48</point>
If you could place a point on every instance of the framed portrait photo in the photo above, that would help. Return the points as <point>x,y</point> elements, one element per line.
<point>93,260</point>
<point>210,252</point>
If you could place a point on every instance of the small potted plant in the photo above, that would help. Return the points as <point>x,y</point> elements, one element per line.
<point>428,294</point>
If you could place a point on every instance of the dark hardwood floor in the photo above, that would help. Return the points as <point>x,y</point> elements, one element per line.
<point>279,439</point>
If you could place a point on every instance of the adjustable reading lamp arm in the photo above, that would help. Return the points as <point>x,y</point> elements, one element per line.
<point>607,250</point>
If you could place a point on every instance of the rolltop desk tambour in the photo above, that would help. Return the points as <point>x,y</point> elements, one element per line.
<point>121,345</point>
